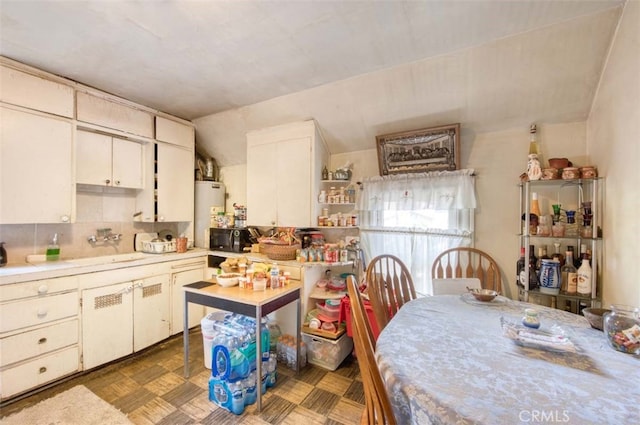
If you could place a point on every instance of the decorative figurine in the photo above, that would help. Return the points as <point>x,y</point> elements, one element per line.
<point>534,172</point>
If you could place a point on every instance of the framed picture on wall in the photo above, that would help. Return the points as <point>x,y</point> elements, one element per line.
<point>419,151</point>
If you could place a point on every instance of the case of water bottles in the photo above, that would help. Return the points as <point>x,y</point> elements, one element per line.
<point>233,383</point>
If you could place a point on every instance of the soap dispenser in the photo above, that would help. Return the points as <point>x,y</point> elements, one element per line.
<point>53,250</point>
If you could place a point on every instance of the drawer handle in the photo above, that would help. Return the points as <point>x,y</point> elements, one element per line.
<point>41,313</point>
<point>42,340</point>
<point>43,369</point>
<point>43,289</point>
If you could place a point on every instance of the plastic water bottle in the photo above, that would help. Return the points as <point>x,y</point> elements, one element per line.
<point>249,387</point>
<point>271,370</point>
<point>274,334</point>
<point>275,276</point>
<point>237,397</point>
<point>265,340</point>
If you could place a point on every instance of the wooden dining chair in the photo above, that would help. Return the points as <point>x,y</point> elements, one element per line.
<point>390,286</point>
<point>378,408</point>
<point>464,262</point>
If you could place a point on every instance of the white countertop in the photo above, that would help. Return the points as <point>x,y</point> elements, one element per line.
<point>16,273</point>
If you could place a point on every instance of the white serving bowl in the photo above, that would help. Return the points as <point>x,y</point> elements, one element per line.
<point>228,279</point>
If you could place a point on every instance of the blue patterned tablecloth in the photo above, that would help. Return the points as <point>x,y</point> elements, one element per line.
<point>445,360</point>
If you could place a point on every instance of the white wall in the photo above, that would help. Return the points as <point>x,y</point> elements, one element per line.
<point>613,137</point>
<point>498,159</point>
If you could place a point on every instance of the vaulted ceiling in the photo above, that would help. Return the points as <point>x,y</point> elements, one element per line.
<point>257,63</point>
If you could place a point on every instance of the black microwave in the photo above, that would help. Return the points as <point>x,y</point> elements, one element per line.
<point>232,239</point>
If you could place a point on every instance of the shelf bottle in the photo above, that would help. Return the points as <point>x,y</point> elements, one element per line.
<point>534,145</point>
<point>584,278</point>
<point>533,273</point>
<point>521,264</point>
<point>569,275</point>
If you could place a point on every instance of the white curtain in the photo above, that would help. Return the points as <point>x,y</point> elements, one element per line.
<point>415,217</point>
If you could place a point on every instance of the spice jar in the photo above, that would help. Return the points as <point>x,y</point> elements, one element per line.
<point>622,328</point>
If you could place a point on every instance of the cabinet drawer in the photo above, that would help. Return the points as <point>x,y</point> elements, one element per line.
<point>37,342</point>
<point>39,371</point>
<point>30,91</point>
<point>35,311</point>
<point>37,288</point>
<point>107,113</point>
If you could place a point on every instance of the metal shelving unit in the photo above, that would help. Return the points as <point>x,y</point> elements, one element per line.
<point>577,191</point>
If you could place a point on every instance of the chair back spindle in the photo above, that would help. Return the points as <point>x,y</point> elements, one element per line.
<point>464,262</point>
<point>390,286</point>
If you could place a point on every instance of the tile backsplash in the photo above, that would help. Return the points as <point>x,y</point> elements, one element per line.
<point>95,209</point>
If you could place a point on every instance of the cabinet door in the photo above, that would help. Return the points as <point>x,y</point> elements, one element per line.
<point>93,158</point>
<point>150,311</point>
<point>262,183</point>
<point>107,324</point>
<point>127,164</point>
<point>36,168</point>
<point>33,92</point>
<point>111,114</point>
<point>294,182</point>
<point>196,311</point>
<point>175,183</point>
<point>174,132</point>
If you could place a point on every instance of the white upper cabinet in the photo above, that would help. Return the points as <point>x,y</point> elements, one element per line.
<point>170,172</point>
<point>33,92</point>
<point>108,161</point>
<point>284,166</point>
<point>175,132</point>
<point>175,175</point>
<point>36,167</point>
<point>110,114</point>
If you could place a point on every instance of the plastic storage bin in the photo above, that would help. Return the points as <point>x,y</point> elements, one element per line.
<point>327,353</point>
<point>208,334</point>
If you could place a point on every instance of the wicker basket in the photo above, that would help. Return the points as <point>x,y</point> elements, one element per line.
<point>279,252</point>
<point>229,269</point>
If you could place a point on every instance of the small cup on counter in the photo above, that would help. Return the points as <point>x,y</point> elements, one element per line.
<point>181,244</point>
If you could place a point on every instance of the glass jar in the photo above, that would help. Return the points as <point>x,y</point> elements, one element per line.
<point>530,318</point>
<point>622,328</point>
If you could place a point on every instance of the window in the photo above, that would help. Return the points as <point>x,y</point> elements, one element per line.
<point>415,217</point>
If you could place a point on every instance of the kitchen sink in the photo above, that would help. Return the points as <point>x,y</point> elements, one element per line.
<point>107,259</point>
<point>40,260</point>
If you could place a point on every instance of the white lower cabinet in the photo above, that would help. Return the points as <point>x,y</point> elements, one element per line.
<point>39,371</point>
<point>184,273</point>
<point>39,333</point>
<point>122,318</point>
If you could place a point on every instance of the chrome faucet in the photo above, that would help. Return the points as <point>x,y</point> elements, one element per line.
<point>105,235</point>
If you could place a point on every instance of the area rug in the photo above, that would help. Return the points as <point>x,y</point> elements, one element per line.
<point>77,406</point>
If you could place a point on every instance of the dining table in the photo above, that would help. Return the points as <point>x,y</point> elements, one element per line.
<point>451,359</point>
